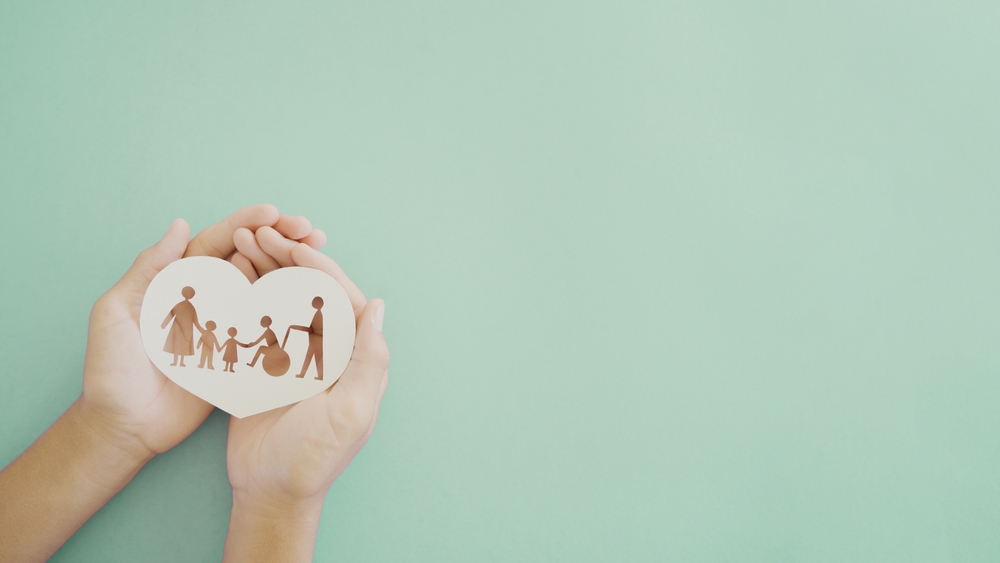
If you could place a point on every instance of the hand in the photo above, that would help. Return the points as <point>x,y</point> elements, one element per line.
<point>282,462</point>
<point>125,397</point>
<point>128,411</point>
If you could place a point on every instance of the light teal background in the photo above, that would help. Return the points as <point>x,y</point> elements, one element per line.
<point>704,281</point>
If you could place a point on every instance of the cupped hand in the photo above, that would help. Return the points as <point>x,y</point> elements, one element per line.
<point>125,396</point>
<point>289,457</point>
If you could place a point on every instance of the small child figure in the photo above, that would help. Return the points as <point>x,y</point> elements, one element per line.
<point>230,356</point>
<point>208,344</point>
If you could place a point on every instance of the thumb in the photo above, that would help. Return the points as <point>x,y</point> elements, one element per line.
<point>150,261</point>
<point>361,381</point>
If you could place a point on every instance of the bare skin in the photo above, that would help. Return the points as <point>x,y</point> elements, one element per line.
<point>128,411</point>
<point>282,462</point>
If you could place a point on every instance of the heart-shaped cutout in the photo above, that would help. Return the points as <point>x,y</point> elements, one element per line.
<point>247,348</point>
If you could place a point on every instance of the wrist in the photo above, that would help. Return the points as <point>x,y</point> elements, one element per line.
<point>66,475</point>
<point>263,506</point>
<point>108,436</point>
<point>263,528</point>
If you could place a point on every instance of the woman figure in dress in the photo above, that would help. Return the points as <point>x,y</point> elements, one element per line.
<point>180,339</point>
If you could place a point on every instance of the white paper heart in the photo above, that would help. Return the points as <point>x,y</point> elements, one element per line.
<point>173,319</point>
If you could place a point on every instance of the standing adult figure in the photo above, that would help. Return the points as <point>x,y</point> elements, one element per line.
<point>315,330</point>
<point>180,339</point>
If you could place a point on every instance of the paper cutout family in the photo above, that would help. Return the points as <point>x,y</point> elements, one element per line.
<point>180,340</point>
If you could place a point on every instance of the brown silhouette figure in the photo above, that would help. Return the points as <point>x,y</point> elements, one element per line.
<point>208,344</point>
<point>315,331</point>
<point>230,356</point>
<point>276,360</point>
<point>180,339</point>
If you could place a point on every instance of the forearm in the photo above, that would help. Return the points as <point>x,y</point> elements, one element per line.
<point>267,532</point>
<point>59,482</point>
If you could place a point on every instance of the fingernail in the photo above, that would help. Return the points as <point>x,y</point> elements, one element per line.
<point>379,315</point>
<point>170,229</point>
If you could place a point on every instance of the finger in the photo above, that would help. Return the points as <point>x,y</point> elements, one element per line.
<point>315,239</point>
<point>155,258</point>
<point>246,243</point>
<point>305,255</point>
<point>244,265</point>
<point>217,240</point>
<point>293,227</point>
<point>275,245</point>
<point>355,396</point>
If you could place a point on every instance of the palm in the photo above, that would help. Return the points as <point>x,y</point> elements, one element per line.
<point>121,383</point>
<point>296,451</point>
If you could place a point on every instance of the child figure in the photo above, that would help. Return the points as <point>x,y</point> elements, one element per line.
<point>208,344</point>
<point>230,355</point>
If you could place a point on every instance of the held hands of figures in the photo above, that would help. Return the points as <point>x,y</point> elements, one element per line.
<point>197,290</point>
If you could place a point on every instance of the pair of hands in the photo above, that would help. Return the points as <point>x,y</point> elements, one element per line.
<point>280,460</point>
